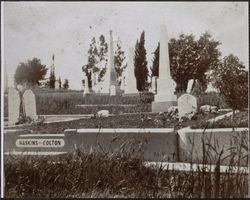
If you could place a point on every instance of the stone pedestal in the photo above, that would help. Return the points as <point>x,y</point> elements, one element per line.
<point>165,96</point>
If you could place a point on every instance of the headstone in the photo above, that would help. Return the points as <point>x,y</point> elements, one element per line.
<point>190,84</point>
<point>57,85</point>
<point>187,103</point>
<point>165,96</point>
<point>13,106</point>
<point>86,85</point>
<point>130,76</point>
<point>30,104</point>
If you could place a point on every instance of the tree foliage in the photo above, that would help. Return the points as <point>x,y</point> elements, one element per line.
<point>92,61</point>
<point>119,59</point>
<point>30,72</point>
<point>98,59</point>
<point>140,62</point>
<point>60,83</point>
<point>190,59</point>
<point>66,84</point>
<point>155,66</point>
<point>231,79</point>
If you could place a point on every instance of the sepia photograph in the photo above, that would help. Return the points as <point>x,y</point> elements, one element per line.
<point>124,99</point>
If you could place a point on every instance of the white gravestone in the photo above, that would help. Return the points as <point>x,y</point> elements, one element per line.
<point>13,106</point>
<point>130,74</point>
<point>30,104</point>
<point>187,103</point>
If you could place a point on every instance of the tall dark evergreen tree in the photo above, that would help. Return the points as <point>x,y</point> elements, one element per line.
<point>60,83</point>
<point>52,80</point>
<point>140,62</point>
<point>155,66</point>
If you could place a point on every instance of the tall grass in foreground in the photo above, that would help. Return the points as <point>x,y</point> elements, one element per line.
<point>120,174</point>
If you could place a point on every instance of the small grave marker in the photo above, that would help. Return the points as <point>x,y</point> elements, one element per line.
<point>187,103</point>
<point>30,104</point>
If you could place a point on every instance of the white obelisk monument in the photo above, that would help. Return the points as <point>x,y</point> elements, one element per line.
<point>110,83</point>
<point>165,96</point>
<point>130,87</point>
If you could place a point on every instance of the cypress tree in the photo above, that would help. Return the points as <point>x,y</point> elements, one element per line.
<point>140,62</point>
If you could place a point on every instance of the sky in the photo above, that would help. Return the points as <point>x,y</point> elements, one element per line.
<point>41,29</point>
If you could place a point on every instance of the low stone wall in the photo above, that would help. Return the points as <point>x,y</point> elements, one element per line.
<point>155,145</point>
<point>152,144</point>
<point>197,144</point>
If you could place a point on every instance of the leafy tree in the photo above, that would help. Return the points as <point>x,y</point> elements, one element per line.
<point>66,84</point>
<point>119,59</point>
<point>140,62</point>
<point>155,66</point>
<point>102,57</point>
<point>190,59</point>
<point>30,72</point>
<point>92,61</point>
<point>231,79</point>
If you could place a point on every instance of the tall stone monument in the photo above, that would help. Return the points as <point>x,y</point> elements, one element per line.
<point>110,84</point>
<point>130,87</point>
<point>165,96</point>
<point>14,102</point>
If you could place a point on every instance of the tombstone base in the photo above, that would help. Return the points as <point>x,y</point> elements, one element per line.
<point>162,106</point>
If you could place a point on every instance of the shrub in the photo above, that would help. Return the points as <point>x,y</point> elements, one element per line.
<point>212,98</point>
